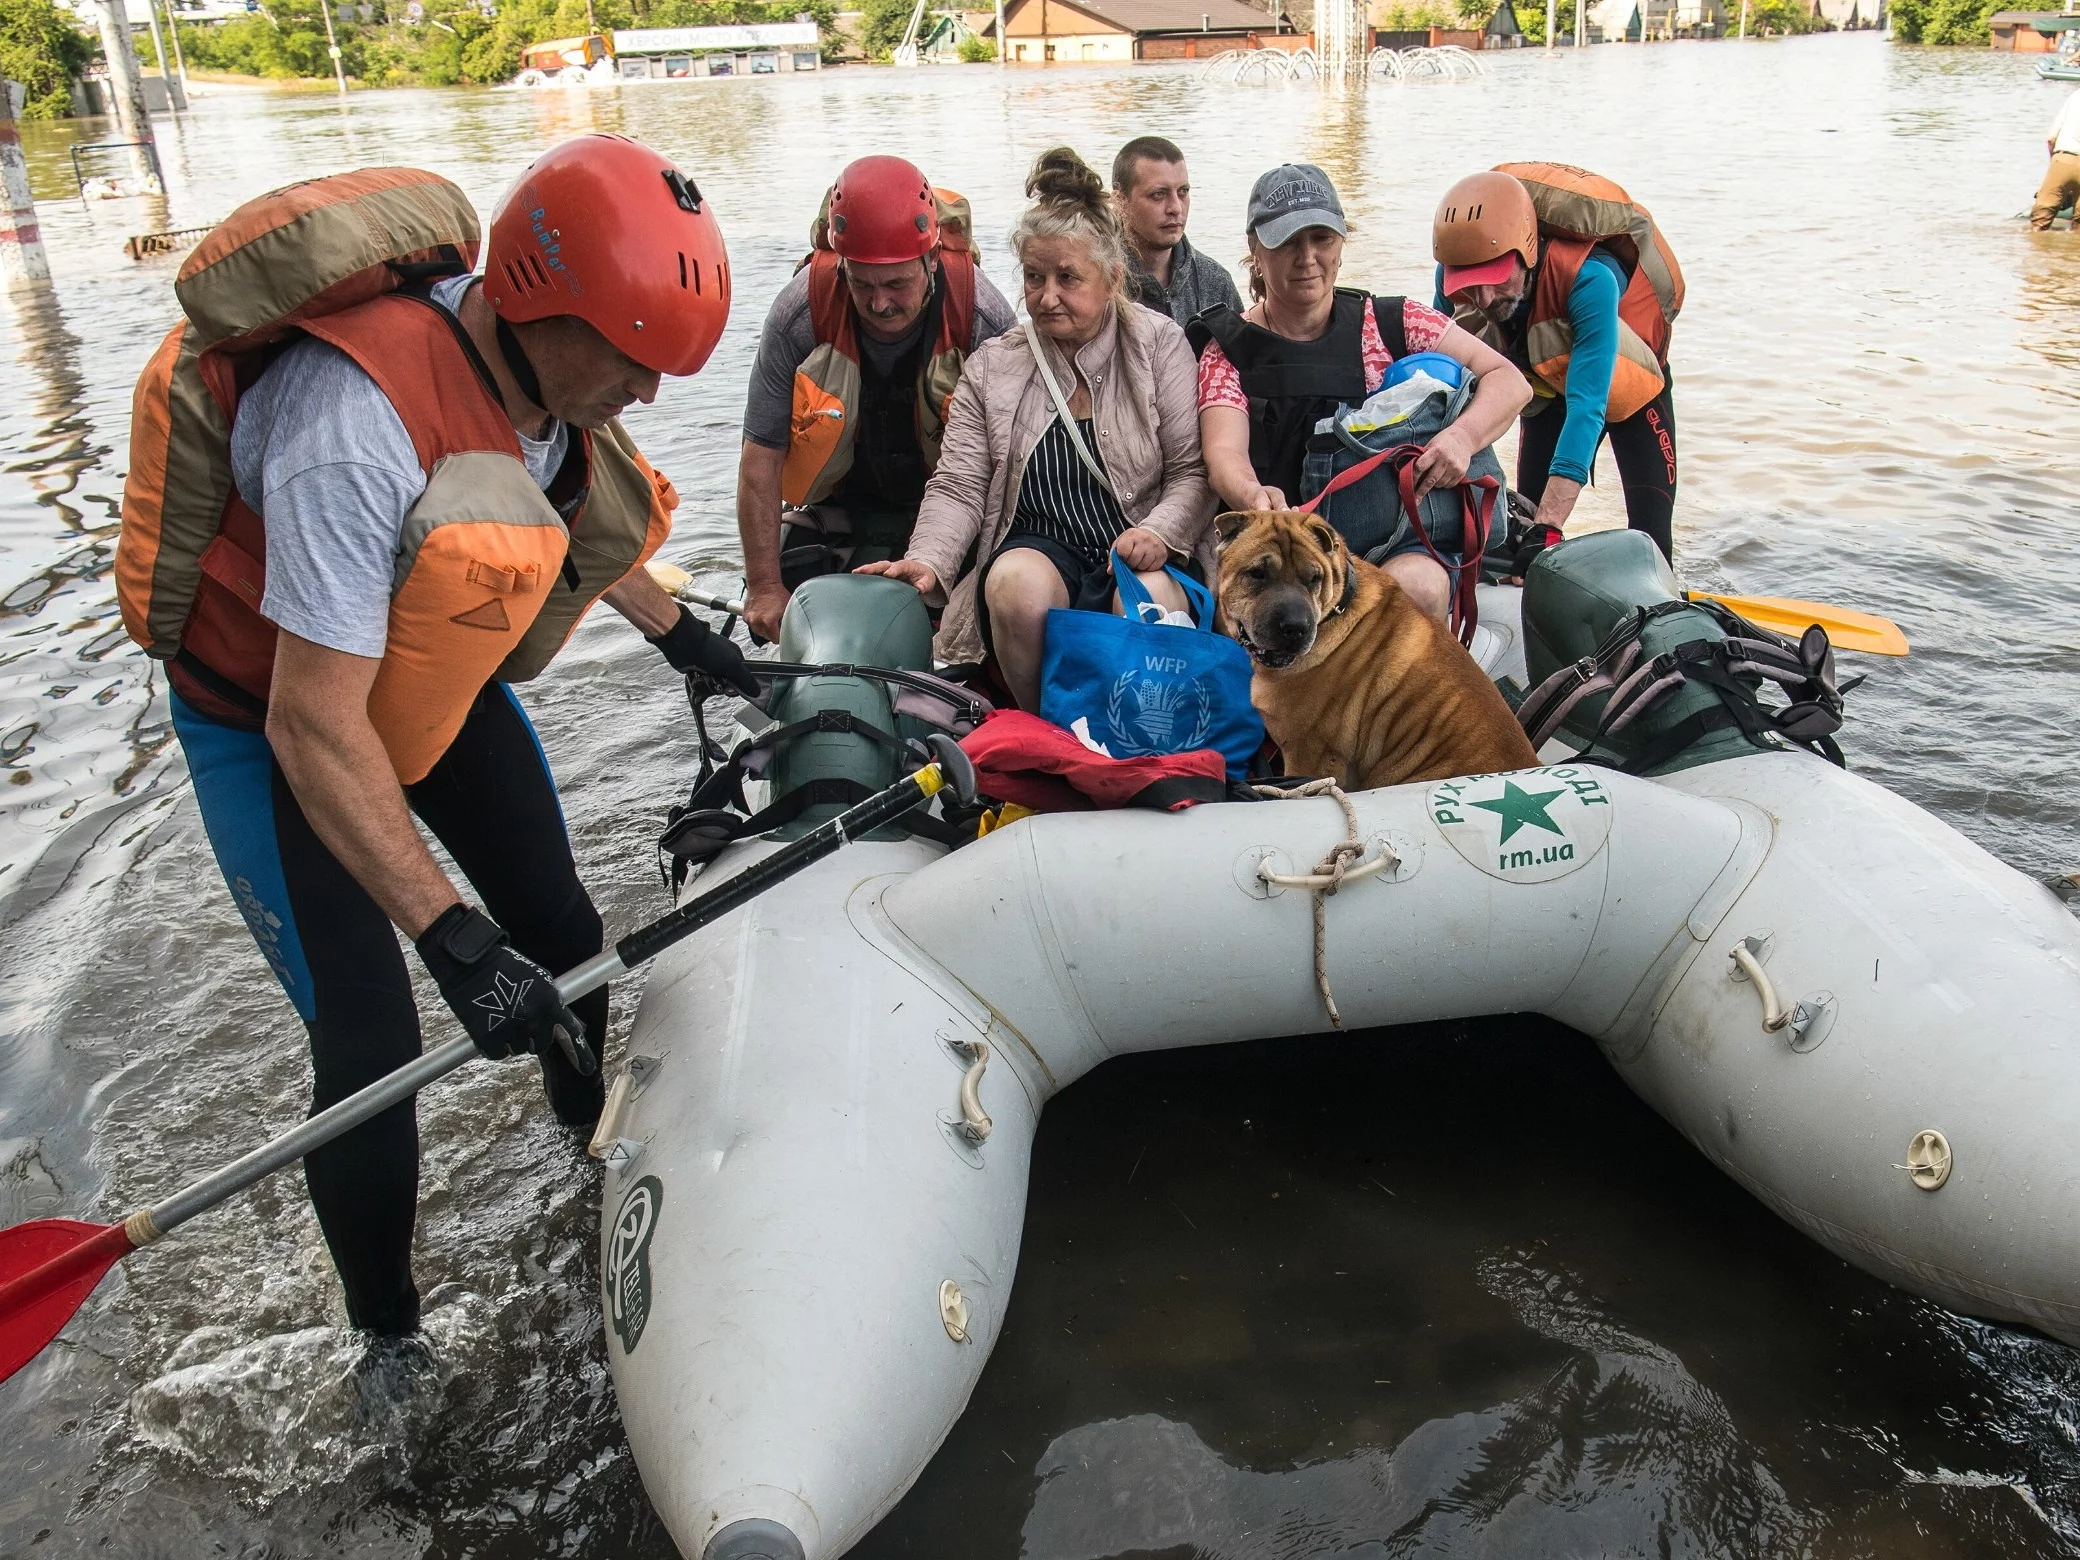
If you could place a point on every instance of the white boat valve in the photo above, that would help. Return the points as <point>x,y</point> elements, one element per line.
<point>1928,1160</point>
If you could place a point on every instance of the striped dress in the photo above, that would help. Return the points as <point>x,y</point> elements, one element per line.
<point>1060,499</point>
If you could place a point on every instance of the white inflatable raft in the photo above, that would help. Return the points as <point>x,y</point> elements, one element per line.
<point>809,1234</point>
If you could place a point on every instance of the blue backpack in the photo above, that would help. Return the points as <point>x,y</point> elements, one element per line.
<point>1133,686</point>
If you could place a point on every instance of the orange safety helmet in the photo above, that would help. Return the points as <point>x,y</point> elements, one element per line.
<point>882,212</point>
<point>1483,220</point>
<point>603,228</point>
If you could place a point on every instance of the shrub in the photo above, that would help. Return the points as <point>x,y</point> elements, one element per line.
<point>1414,18</point>
<point>1532,17</point>
<point>1942,21</point>
<point>977,50</point>
<point>456,43</point>
<point>882,25</point>
<point>42,49</point>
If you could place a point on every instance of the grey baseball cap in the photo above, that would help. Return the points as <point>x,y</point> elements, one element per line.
<point>1290,197</point>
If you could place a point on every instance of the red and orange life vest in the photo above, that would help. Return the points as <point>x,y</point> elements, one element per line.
<point>491,576</point>
<point>827,383</point>
<point>1579,211</point>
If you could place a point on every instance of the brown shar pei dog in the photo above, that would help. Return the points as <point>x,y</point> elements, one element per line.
<point>1355,682</point>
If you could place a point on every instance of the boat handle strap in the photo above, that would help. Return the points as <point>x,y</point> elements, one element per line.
<point>1774,1014</point>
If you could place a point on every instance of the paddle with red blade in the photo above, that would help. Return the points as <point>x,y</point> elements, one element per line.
<point>48,1267</point>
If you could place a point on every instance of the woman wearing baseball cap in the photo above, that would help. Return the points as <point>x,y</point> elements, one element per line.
<point>1306,347</point>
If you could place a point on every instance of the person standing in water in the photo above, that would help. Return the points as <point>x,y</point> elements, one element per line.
<point>2061,186</point>
<point>1153,193</point>
<point>1571,279</point>
<point>857,364</point>
<point>431,487</point>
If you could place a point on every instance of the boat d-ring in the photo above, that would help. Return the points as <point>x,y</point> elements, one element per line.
<point>1747,965</point>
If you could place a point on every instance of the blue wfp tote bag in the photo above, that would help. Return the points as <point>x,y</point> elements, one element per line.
<point>1132,686</point>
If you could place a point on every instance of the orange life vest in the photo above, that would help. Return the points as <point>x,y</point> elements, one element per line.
<point>1578,212</point>
<point>491,577</point>
<point>827,383</point>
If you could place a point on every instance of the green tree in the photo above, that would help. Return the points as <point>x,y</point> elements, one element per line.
<point>882,25</point>
<point>1942,21</point>
<point>455,43</point>
<point>1417,17</point>
<point>1532,17</point>
<point>1789,17</point>
<point>42,48</point>
<point>977,50</point>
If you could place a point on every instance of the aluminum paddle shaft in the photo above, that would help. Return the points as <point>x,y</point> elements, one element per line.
<point>631,952</point>
<point>49,1266</point>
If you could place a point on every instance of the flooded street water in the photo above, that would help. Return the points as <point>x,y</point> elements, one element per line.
<point>1444,1292</point>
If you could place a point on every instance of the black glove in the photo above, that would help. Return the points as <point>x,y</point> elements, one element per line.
<point>506,1001</point>
<point>1533,540</point>
<point>693,647</point>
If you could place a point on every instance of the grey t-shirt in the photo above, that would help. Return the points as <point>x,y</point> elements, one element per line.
<point>318,450</point>
<point>790,336</point>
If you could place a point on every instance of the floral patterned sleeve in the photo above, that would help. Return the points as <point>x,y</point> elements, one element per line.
<point>1220,384</point>
<point>1423,326</point>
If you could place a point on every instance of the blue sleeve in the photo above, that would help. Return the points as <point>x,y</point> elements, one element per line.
<point>1443,304</point>
<point>1592,309</point>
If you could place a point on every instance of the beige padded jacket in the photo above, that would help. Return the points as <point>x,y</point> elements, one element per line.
<point>1144,383</point>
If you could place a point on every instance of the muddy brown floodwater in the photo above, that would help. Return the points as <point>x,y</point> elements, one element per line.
<point>1439,1292</point>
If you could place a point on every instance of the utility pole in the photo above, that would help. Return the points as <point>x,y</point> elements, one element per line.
<point>1581,23</point>
<point>1003,49</point>
<point>126,86</point>
<point>23,263</point>
<point>176,99</point>
<point>332,47</point>
<point>180,63</point>
<point>1744,20</point>
<point>1552,25</point>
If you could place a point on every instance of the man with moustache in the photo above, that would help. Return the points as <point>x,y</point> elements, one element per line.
<point>856,368</point>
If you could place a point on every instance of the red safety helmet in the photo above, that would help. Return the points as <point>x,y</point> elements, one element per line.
<point>601,227</point>
<point>882,212</point>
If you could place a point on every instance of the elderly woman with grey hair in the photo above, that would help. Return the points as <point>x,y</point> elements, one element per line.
<point>1069,440</point>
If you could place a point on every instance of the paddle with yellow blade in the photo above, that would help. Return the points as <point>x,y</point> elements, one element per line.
<point>1846,629</point>
<point>676,582</point>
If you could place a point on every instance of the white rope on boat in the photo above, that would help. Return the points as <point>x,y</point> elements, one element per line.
<point>1330,873</point>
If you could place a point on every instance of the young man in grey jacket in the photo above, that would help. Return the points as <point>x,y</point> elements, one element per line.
<point>1154,194</point>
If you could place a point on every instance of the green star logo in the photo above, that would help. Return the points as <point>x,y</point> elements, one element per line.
<point>1517,807</point>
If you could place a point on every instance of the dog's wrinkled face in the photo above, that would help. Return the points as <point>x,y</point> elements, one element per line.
<point>1281,574</point>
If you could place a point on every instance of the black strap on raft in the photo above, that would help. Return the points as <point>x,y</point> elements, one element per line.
<point>1734,668</point>
<point>715,813</point>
